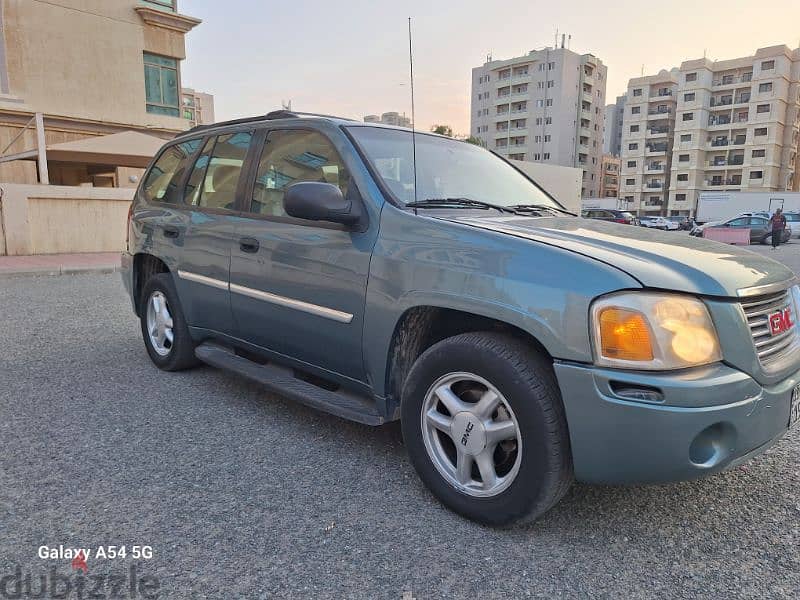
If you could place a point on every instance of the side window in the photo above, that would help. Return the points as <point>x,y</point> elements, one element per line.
<point>161,184</point>
<point>215,176</point>
<point>289,157</point>
<point>741,222</point>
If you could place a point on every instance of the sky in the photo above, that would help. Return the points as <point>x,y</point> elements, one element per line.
<point>351,58</point>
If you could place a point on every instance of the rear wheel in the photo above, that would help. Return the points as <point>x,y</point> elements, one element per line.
<point>164,330</point>
<point>484,425</point>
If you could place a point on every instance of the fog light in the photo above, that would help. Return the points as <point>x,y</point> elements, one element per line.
<point>713,446</point>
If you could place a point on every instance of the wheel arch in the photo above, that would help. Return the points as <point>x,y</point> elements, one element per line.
<point>420,327</point>
<point>144,267</point>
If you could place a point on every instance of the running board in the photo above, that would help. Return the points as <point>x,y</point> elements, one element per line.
<point>282,381</point>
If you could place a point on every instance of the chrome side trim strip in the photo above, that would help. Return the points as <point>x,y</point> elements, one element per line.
<point>314,309</point>
<point>210,281</point>
<point>770,288</point>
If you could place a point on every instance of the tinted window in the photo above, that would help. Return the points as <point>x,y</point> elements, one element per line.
<point>758,221</point>
<point>215,177</point>
<point>739,222</point>
<point>161,184</point>
<point>290,157</point>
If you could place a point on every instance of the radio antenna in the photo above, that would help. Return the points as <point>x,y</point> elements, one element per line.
<point>413,121</point>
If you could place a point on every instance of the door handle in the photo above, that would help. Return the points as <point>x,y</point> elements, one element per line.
<point>171,232</point>
<point>248,244</point>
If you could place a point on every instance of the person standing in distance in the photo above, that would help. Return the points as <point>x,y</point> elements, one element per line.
<point>778,222</point>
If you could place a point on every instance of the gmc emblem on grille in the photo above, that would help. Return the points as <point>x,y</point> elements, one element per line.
<point>781,321</point>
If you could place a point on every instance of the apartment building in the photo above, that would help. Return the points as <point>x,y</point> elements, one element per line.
<point>389,118</point>
<point>612,135</point>
<point>198,107</point>
<point>737,126</point>
<point>90,68</point>
<point>546,106</point>
<point>609,181</point>
<point>647,137</point>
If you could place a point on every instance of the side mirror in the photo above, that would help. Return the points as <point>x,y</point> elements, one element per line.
<point>320,202</point>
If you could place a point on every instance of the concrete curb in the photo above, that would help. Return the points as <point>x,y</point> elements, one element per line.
<point>55,271</point>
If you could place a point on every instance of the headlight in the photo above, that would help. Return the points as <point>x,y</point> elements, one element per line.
<point>652,331</point>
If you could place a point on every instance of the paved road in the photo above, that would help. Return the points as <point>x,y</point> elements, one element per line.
<point>242,494</point>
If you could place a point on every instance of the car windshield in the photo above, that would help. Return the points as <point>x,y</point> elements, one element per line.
<point>446,168</point>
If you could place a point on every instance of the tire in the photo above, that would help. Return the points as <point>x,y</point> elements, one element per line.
<point>176,354</point>
<point>766,239</point>
<point>534,478</point>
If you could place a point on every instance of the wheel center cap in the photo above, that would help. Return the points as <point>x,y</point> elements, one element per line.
<point>468,433</point>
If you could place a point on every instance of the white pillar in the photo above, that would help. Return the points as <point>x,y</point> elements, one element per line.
<point>41,147</point>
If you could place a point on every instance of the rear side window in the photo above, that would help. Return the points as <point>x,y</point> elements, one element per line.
<point>215,176</point>
<point>163,179</point>
<point>290,157</point>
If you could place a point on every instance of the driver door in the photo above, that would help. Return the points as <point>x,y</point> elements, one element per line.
<point>298,287</point>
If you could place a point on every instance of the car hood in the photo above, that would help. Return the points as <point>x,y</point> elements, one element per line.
<point>658,259</point>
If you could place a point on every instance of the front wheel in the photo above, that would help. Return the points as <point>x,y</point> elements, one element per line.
<point>485,429</point>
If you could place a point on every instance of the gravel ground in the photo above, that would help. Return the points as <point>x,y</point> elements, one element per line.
<point>246,495</point>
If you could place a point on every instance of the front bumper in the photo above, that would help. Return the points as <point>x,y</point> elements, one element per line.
<point>710,418</point>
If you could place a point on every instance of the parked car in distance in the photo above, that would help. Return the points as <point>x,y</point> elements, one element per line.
<point>659,223</point>
<point>760,229</point>
<point>793,220</point>
<point>684,223</point>
<point>612,216</point>
<point>520,347</point>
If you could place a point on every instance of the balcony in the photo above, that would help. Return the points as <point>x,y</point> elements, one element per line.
<point>719,143</point>
<point>658,131</point>
<point>519,111</point>
<point>659,111</point>
<point>724,101</point>
<point>732,79</point>
<point>722,182</point>
<point>656,148</point>
<point>656,167</point>
<point>654,185</point>
<point>521,76</point>
<point>714,121</point>
<point>659,95</point>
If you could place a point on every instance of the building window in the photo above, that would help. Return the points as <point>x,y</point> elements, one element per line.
<point>683,158</point>
<point>634,128</point>
<point>689,97</point>
<point>760,131</point>
<point>637,92</point>
<point>756,174</point>
<point>635,110</point>
<point>765,87</point>
<point>631,164</point>
<point>547,156</point>
<point>759,153</point>
<point>551,66</point>
<point>683,177</point>
<point>538,120</point>
<point>691,77</point>
<point>162,91</point>
<point>537,156</point>
<point>162,4</point>
<point>549,102</point>
<point>767,65</point>
<point>547,138</point>
<point>680,197</point>
<point>630,182</point>
<point>548,120</point>
<point>551,83</point>
<point>762,108</point>
<point>633,146</point>
<point>688,116</point>
<point>686,137</point>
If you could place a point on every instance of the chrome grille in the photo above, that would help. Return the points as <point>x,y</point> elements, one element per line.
<point>770,348</point>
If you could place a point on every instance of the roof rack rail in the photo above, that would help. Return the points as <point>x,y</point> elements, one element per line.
<point>270,116</point>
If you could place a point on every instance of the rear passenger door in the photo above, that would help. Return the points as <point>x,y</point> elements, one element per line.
<point>298,286</point>
<point>210,198</point>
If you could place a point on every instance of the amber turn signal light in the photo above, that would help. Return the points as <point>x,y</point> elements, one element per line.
<point>625,335</point>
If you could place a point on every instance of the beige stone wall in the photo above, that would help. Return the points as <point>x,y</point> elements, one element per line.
<point>83,59</point>
<point>39,219</point>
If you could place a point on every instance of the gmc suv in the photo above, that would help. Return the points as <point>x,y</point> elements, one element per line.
<point>380,275</point>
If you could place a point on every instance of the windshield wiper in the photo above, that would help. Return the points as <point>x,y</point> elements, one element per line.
<point>525,207</point>
<point>457,202</point>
